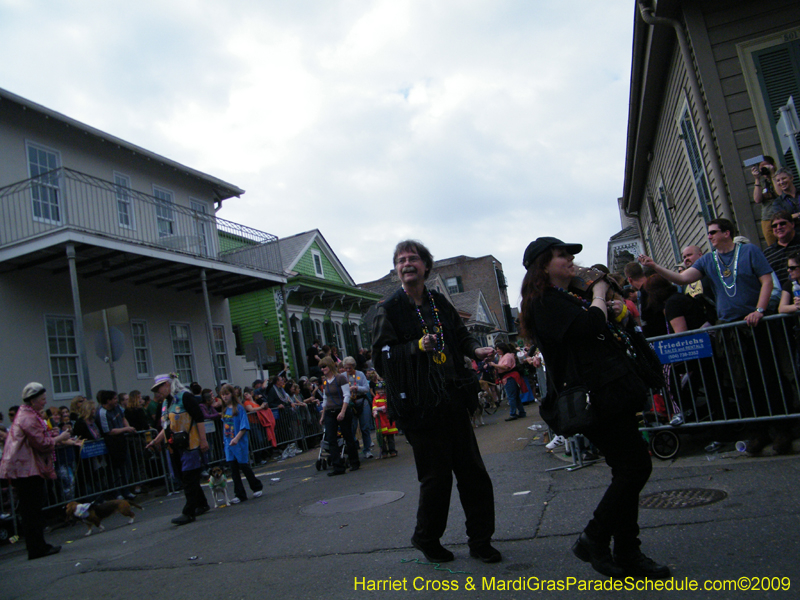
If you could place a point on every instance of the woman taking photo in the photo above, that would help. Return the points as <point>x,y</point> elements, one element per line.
<point>582,347</point>
<point>27,462</point>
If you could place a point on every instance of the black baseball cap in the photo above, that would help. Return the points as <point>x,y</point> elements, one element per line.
<point>539,245</point>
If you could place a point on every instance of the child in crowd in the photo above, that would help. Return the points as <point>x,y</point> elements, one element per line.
<point>237,453</point>
<point>383,425</point>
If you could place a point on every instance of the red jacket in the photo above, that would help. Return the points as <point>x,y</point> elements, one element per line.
<point>29,448</point>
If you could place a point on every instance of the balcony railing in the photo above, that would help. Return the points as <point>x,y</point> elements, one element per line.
<point>64,199</point>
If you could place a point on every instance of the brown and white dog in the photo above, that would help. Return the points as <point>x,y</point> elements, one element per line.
<point>218,484</point>
<point>93,514</point>
<point>483,398</point>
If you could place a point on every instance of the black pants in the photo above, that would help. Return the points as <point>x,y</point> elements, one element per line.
<point>619,440</point>
<point>451,449</point>
<point>195,498</point>
<point>31,495</point>
<point>252,480</point>
<point>332,425</point>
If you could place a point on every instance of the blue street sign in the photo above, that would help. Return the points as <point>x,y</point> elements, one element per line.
<point>96,448</point>
<point>689,347</point>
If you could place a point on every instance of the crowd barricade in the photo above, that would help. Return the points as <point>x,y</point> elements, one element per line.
<point>725,374</point>
<point>283,426</point>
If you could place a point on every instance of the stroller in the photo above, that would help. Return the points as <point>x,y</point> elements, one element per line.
<point>323,462</point>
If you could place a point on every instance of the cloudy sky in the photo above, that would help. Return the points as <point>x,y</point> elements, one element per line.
<point>472,125</point>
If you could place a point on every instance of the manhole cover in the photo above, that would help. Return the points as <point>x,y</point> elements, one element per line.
<point>682,498</point>
<point>349,504</point>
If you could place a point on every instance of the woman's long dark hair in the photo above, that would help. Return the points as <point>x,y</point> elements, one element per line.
<point>658,291</point>
<point>534,284</point>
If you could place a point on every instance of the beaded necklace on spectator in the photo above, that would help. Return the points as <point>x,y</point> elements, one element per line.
<point>618,332</point>
<point>727,272</point>
<point>438,354</point>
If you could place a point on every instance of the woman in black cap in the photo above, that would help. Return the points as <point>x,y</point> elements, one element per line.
<point>582,346</point>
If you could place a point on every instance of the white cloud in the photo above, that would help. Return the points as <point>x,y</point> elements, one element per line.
<point>475,126</point>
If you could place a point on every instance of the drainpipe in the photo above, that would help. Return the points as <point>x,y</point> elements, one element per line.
<point>649,17</point>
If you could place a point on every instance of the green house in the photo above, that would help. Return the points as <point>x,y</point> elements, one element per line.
<point>319,301</point>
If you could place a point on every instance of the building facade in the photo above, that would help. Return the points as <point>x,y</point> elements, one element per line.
<point>112,256</point>
<point>712,86</point>
<point>319,301</point>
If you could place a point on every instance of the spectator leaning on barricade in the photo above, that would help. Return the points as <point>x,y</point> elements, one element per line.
<point>742,281</point>
<point>702,288</point>
<point>114,426</point>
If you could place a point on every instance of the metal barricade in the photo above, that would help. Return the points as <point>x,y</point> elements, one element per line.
<point>728,373</point>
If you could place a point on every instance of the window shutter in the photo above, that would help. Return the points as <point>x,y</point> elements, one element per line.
<point>779,75</point>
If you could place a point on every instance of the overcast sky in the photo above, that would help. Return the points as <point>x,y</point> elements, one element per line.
<point>472,125</point>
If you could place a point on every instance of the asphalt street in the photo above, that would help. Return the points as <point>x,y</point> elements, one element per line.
<point>314,536</point>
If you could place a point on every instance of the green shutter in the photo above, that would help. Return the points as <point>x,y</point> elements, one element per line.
<point>779,76</point>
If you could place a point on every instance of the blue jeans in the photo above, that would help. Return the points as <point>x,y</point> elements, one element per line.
<point>514,403</point>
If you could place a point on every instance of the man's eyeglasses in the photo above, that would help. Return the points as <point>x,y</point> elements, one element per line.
<point>777,224</point>
<point>713,231</point>
<point>793,267</point>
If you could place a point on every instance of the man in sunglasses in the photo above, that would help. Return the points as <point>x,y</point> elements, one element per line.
<point>788,243</point>
<point>742,281</point>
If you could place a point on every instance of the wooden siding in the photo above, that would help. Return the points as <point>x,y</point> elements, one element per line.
<point>306,265</point>
<point>728,24</point>
<point>249,311</point>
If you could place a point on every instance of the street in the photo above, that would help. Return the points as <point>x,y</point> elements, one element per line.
<point>314,536</point>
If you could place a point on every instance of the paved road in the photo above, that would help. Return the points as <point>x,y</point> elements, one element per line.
<point>273,547</point>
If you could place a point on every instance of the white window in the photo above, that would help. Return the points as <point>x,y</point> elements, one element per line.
<point>663,200</point>
<point>201,226</point>
<point>45,191</point>
<point>315,255</point>
<point>340,337</point>
<point>141,348</point>
<point>165,215</point>
<point>694,156</point>
<point>182,351</point>
<point>318,332</point>
<point>122,191</point>
<point>454,285</point>
<point>62,348</point>
<point>221,352</point>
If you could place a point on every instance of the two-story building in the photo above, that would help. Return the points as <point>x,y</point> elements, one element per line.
<point>104,243</point>
<point>714,86</point>
<point>319,301</point>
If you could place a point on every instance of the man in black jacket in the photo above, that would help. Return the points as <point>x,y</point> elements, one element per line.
<point>418,346</point>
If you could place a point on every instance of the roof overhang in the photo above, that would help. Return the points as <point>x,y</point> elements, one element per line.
<point>653,49</point>
<point>108,261</point>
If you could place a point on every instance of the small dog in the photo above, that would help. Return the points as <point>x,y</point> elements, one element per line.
<point>93,514</point>
<point>483,398</point>
<point>218,484</point>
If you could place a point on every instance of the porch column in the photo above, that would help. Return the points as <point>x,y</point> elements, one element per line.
<point>210,329</point>
<point>80,338</point>
<point>290,335</point>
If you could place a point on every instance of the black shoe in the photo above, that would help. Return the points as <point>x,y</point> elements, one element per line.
<point>332,473</point>
<point>201,510</point>
<point>512,418</point>
<point>433,551</point>
<point>355,467</point>
<point>636,564</point>
<point>522,415</point>
<point>183,520</point>
<point>486,552</point>
<point>50,550</point>
<point>598,554</point>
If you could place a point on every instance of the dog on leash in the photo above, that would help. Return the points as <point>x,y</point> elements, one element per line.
<point>93,514</point>
<point>218,484</point>
<point>483,398</point>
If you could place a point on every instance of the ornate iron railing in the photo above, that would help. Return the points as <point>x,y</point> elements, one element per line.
<point>64,199</point>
